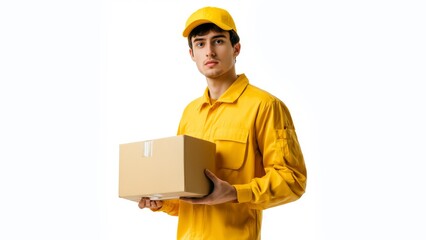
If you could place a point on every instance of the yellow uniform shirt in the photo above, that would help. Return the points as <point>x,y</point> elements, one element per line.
<point>257,151</point>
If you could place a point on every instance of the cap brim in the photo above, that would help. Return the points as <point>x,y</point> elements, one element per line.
<point>197,23</point>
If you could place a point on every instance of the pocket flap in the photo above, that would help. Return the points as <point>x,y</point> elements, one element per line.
<point>231,134</point>
<point>230,147</point>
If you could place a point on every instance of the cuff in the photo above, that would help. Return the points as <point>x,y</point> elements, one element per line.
<point>244,193</point>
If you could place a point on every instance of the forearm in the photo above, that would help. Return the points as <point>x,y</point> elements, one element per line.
<point>278,186</point>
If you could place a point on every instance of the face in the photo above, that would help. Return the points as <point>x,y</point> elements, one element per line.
<point>214,55</point>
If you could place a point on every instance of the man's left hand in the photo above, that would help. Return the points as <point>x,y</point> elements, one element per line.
<point>222,192</point>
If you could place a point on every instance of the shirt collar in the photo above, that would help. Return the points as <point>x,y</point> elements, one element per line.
<point>231,94</point>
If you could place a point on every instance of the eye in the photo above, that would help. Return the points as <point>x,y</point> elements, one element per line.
<point>218,41</point>
<point>199,44</point>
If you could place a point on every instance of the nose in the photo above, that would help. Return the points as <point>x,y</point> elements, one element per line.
<point>210,51</point>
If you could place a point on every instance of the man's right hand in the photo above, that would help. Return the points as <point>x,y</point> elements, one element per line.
<point>152,204</point>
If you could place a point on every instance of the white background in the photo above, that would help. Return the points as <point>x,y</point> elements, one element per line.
<point>77,78</point>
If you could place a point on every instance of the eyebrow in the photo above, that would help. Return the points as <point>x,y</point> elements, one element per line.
<point>201,38</point>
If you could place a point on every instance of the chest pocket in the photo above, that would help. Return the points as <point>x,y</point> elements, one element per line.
<point>231,145</point>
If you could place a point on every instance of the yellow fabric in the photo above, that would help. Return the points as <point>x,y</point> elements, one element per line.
<point>220,17</point>
<point>257,152</point>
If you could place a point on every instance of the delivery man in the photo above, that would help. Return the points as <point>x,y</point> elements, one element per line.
<point>259,163</point>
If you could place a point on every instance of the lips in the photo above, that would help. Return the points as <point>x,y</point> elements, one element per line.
<point>211,63</point>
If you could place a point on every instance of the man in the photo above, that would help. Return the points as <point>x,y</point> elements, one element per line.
<point>259,162</point>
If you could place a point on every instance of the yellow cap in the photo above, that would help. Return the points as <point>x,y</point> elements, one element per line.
<point>218,16</point>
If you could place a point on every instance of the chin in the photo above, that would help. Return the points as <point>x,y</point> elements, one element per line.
<point>212,74</point>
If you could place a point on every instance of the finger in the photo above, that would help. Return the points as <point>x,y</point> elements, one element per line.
<point>210,175</point>
<point>141,203</point>
<point>156,205</point>
<point>147,203</point>
<point>159,203</point>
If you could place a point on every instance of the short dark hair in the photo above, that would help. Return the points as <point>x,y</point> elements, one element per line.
<point>207,27</point>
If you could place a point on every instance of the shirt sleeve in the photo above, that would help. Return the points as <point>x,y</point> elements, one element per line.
<point>285,175</point>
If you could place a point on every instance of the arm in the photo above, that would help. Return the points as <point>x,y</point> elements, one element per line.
<point>284,180</point>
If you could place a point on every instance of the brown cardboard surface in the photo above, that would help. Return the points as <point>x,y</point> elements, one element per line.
<point>165,168</point>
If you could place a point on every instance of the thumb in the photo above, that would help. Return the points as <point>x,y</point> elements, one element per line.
<point>210,175</point>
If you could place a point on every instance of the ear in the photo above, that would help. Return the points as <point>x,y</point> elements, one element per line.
<point>237,49</point>
<point>191,53</point>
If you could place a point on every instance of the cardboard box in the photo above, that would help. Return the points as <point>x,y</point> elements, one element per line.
<point>165,168</point>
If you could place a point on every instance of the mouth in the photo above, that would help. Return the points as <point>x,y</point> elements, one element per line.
<point>210,63</point>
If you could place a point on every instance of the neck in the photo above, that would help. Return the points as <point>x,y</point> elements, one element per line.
<point>217,86</point>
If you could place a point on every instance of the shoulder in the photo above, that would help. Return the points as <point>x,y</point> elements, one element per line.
<point>267,103</point>
<point>270,107</point>
<point>261,96</point>
<point>196,102</point>
<point>194,105</point>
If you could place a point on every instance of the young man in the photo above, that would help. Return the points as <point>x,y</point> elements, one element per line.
<point>259,161</point>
